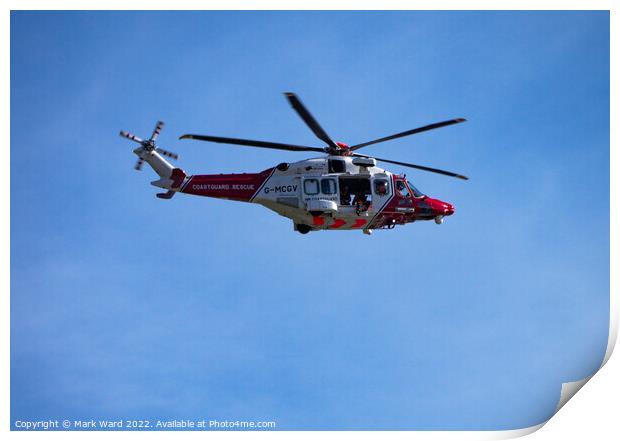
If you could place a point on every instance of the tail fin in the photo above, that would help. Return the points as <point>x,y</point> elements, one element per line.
<point>173,181</point>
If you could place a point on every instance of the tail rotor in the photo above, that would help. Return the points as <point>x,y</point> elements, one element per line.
<point>148,146</point>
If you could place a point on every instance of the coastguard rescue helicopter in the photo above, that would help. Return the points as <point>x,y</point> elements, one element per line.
<point>341,190</point>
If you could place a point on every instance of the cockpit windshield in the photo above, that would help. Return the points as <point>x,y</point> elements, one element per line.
<point>416,193</point>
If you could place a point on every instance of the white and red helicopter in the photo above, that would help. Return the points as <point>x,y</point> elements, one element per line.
<point>340,191</point>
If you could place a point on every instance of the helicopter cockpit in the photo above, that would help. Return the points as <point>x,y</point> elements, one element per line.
<point>407,190</point>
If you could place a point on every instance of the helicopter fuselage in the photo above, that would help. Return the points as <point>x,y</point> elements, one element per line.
<point>327,193</point>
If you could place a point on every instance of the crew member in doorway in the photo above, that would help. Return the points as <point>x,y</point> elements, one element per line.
<point>361,203</point>
<point>345,195</point>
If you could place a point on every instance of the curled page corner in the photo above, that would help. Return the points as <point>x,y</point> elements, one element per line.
<point>516,433</point>
<point>569,390</point>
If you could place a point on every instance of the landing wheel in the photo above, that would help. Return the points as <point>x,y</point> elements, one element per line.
<point>303,229</point>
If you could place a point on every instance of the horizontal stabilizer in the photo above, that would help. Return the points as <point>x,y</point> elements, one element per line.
<point>167,195</point>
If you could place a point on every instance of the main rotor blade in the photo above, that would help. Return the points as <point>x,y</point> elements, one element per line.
<point>419,167</point>
<point>252,143</point>
<point>309,120</point>
<point>411,132</point>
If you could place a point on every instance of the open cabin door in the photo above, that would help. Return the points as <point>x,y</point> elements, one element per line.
<point>355,196</point>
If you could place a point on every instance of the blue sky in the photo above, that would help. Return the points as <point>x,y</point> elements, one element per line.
<point>127,306</point>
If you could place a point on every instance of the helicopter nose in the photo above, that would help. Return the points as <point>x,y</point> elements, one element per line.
<point>441,208</point>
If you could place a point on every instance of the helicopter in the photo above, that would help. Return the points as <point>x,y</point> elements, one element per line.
<point>340,190</point>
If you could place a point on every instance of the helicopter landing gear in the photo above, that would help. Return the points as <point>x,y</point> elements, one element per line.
<point>302,228</point>
<point>439,220</point>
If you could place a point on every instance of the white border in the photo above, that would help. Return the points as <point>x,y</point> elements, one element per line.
<point>598,395</point>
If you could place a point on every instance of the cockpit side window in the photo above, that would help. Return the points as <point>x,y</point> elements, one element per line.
<point>402,189</point>
<point>416,193</point>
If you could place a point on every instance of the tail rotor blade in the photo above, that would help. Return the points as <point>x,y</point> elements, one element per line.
<point>131,136</point>
<point>139,163</point>
<point>167,153</point>
<point>157,131</point>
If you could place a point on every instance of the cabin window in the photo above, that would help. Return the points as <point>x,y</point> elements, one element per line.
<point>336,166</point>
<point>328,186</point>
<point>381,187</point>
<point>402,189</point>
<point>311,186</point>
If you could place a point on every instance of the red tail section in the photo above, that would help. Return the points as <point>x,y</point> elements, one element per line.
<point>235,186</point>
<point>177,176</point>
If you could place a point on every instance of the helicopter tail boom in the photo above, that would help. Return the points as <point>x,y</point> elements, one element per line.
<point>157,162</point>
<point>241,187</point>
